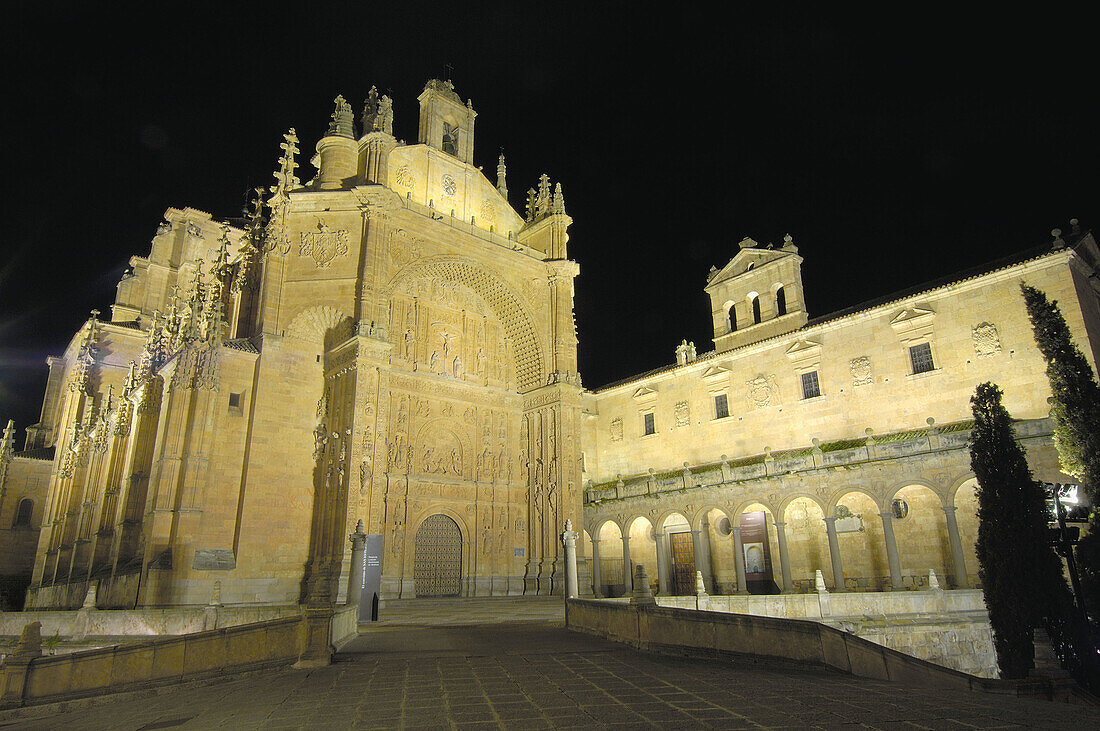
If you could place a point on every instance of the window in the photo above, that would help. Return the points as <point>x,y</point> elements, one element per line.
<point>810,385</point>
<point>780,302</point>
<point>234,401</point>
<point>23,514</point>
<point>721,406</point>
<point>755,310</point>
<point>648,424</point>
<point>733,318</point>
<point>921,358</point>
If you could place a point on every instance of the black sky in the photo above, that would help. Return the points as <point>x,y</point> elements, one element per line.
<point>894,149</point>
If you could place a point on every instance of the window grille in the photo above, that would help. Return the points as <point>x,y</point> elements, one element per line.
<point>721,406</point>
<point>921,358</point>
<point>810,385</point>
<point>650,428</point>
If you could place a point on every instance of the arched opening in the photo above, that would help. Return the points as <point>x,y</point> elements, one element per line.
<point>807,544</point>
<point>680,553</point>
<point>920,530</point>
<point>610,550</point>
<point>437,561</point>
<point>966,515</point>
<point>23,513</point>
<point>780,302</point>
<point>755,310</point>
<point>759,545</point>
<point>731,316</point>
<point>720,534</point>
<point>862,543</point>
<point>450,139</point>
<point>643,549</point>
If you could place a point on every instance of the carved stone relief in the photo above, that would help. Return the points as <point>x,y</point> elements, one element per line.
<point>323,245</point>
<point>763,391</point>
<point>987,341</point>
<point>404,177</point>
<point>860,368</point>
<point>616,430</point>
<point>682,413</point>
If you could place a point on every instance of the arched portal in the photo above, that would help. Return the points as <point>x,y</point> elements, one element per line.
<point>608,546</point>
<point>862,542</point>
<point>966,513</point>
<point>643,547</point>
<point>759,544</point>
<point>723,567</point>
<point>437,562</point>
<point>681,554</point>
<point>920,529</point>
<point>808,544</point>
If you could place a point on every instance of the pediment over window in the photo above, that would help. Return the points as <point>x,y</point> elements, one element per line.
<point>913,322</point>
<point>715,372</point>
<point>804,349</point>
<point>645,393</point>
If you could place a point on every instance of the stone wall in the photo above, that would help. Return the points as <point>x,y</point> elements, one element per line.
<point>949,628</point>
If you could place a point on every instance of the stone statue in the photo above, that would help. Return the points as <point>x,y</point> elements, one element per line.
<point>343,119</point>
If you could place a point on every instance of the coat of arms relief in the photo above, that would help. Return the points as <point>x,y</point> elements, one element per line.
<point>324,244</point>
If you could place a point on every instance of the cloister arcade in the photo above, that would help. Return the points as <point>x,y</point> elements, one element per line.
<point>861,539</point>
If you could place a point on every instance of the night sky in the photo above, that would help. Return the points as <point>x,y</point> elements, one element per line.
<point>893,149</point>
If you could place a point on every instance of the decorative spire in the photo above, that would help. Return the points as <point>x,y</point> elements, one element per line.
<point>788,244</point>
<point>1058,242</point>
<point>557,205</point>
<point>249,251</point>
<point>542,202</point>
<point>85,357</point>
<point>532,196</point>
<point>370,110</point>
<point>275,234</point>
<point>377,113</point>
<point>502,176</point>
<point>7,452</point>
<point>343,120</point>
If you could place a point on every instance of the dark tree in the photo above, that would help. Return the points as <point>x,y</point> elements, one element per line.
<point>1021,575</point>
<point>1075,411</point>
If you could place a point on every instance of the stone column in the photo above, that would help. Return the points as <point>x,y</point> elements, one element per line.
<point>355,573</point>
<point>962,581</point>
<point>597,580</point>
<point>569,541</point>
<point>784,558</point>
<point>663,583</point>
<point>891,548</point>
<point>834,554</point>
<point>708,564</point>
<point>628,584</point>
<point>739,559</point>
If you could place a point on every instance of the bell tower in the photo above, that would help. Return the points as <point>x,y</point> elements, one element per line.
<point>757,295</point>
<point>445,122</point>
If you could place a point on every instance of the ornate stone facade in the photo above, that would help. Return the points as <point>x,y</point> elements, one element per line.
<point>389,342</point>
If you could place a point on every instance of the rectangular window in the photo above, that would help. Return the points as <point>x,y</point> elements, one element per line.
<point>721,406</point>
<point>649,427</point>
<point>810,386</point>
<point>921,358</point>
<point>234,401</point>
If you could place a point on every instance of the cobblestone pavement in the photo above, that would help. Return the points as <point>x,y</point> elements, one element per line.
<point>530,675</point>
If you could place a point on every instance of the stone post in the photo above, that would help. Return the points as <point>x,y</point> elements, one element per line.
<point>834,554</point>
<point>569,540</point>
<point>14,669</point>
<point>962,581</point>
<point>597,579</point>
<point>642,593</point>
<point>739,559</point>
<point>663,583</point>
<point>704,549</point>
<point>628,585</point>
<point>355,574</point>
<point>784,558</point>
<point>891,548</point>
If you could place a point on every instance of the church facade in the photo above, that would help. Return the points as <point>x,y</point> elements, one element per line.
<point>393,344</point>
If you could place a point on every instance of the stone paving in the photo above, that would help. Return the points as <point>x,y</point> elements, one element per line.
<point>535,674</point>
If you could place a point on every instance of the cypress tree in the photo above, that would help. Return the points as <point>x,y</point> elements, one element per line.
<point>1021,576</point>
<point>1075,411</point>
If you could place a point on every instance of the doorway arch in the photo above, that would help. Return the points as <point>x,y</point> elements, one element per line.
<point>437,559</point>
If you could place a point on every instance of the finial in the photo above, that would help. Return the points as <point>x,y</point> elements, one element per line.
<point>1058,242</point>
<point>343,122</point>
<point>788,244</point>
<point>558,203</point>
<point>502,176</point>
<point>1074,227</point>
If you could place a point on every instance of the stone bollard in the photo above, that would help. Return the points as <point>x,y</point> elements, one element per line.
<point>702,599</point>
<point>933,582</point>
<point>819,582</point>
<point>90,596</point>
<point>569,540</point>
<point>643,595</point>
